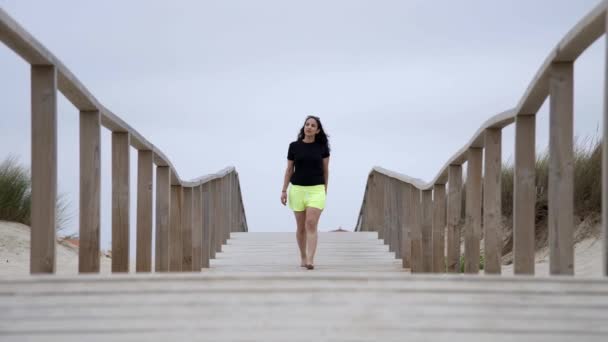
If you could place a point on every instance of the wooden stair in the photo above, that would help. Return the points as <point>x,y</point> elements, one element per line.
<point>256,291</point>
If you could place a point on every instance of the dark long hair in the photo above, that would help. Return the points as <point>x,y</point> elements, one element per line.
<point>321,137</point>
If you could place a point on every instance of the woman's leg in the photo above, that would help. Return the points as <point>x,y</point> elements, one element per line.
<point>312,219</point>
<point>301,235</point>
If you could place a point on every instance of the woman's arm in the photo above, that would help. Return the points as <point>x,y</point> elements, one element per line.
<point>326,172</point>
<point>288,173</point>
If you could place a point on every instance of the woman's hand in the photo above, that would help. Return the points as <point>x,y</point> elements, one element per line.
<point>284,197</point>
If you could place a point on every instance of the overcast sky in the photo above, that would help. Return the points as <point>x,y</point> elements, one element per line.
<point>399,84</point>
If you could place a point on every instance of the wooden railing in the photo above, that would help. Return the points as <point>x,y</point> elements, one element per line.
<point>413,216</point>
<point>193,218</point>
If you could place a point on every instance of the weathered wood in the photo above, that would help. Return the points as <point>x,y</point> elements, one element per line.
<point>398,217</point>
<point>561,169</point>
<point>406,234</point>
<point>439,217</point>
<point>187,241</point>
<point>605,157</point>
<point>90,183</point>
<point>426,227</point>
<point>416,257</point>
<point>389,213</point>
<point>207,250</point>
<point>472,234</point>
<point>163,209</point>
<point>524,195</point>
<point>492,210</point>
<point>44,168</point>
<point>175,230</point>
<point>120,201</point>
<point>144,211</point>
<point>454,206</point>
<point>213,216</point>
<point>197,229</point>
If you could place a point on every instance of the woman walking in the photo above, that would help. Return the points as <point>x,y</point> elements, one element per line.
<point>308,172</point>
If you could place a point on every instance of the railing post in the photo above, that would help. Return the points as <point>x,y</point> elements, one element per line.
<point>398,217</point>
<point>426,226</point>
<point>175,230</point>
<point>214,216</point>
<point>120,202</point>
<point>90,183</point>
<point>145,164</point>
<point>416,258</point>
<point>605,156</point>
<point>454,204</point>
<point>197,229</point>
<point>439,216</point>
<point>187,241</point>
<point>524,195</point>
<point>406,234</point>
<point>472,233</point>
<point>44,168</point>
<point>380,204</point>
<point>492,211</point>
<point>389,213</point>
<point>163,209</point>
<point>561,169</point>
<point>206,211</point>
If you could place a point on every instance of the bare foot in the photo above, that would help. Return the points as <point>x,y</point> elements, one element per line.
<point>303,262</point>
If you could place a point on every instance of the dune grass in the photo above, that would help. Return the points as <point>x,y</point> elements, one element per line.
<point>15,195</point>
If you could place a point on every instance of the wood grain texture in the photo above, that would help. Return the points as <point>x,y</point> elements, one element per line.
<point>427,230</point>
<point>90,183</point>
<point>439,226</point>
<point>472,234</point>
<point>416,256</point>
<point>197,228</point>
<point>44,168</point>
<point>524,195</point>
<point>492,202</point>
<point>144,211</point>
<point>163,211</point>
<point>120,201</point>
<point>175,229</point>
<point>206,207</point>
<point>605,156</point>
<point>187,241</point>
<point>454,206</point>
<point>561,169</point>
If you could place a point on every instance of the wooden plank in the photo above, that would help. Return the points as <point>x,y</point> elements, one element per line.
<point>605,158</point>
<point>44,168</point>
<point>197,228</point>
<point>206,249</point>
<point>381,218</point>
<point>561,169</point>
<point>187,241</point>
<point>454,205</point>
<point>472,234</point>
<point>163,209</point>
<point>492,203</point>
<point>398,217</point>
<point>427,230</point>
<point>524,195</point>
<point>389,213</point>
<point>406,234</point>
<point>144,211</point>
<point>120,201</point>
<point>439,224</point>
<point>90,183</point>
<point>213,217</point>
<point>416,257</point>
<point>175,229</point>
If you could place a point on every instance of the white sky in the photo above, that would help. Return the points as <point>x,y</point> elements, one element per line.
<point>399,84</point>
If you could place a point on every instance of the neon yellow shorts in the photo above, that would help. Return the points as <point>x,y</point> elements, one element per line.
<point>301,197</point>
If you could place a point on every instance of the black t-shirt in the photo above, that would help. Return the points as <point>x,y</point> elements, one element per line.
<point>308,162</point>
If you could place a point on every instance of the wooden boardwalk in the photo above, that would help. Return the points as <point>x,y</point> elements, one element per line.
<point>255,291</point>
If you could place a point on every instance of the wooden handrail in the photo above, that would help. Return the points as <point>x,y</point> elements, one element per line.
<point>554,79</point>
<point>177,226</point>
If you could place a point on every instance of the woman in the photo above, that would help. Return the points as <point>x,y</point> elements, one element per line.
<point>308,172</point>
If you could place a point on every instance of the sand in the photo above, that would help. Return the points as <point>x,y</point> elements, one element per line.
<point>15,252</point>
